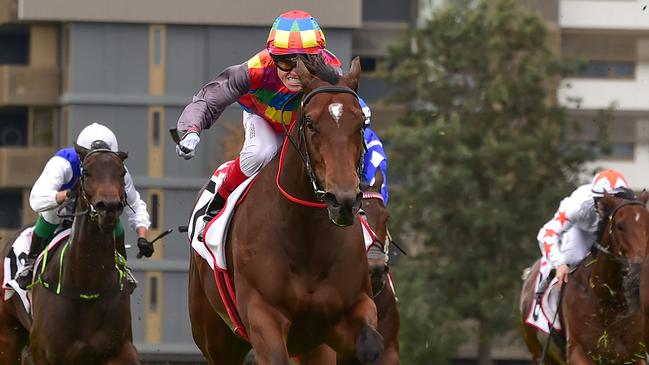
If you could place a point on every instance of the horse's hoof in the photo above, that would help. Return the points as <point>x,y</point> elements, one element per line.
<point>369,346</point>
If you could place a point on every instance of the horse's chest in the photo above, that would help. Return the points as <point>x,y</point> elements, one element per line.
<point>614,340</point>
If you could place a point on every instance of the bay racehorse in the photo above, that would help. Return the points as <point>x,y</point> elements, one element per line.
<point>81,312</point>
<point>298,265</point>
<point>377,216</point>
<point>605,306</point>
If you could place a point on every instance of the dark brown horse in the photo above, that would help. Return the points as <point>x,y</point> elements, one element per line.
<point>14,322</point>
<point>604,307</point>
<point>386,305</point>
<point>299,270</point>
<point>81,313</point>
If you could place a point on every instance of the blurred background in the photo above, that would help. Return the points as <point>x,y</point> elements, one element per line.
<point>438,75</point>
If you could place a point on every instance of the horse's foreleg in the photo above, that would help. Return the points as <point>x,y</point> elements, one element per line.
<point>322,355</point>
<point>390,356</point>
<point>127,355</point>
<point>357,335</point>
<point>13,337</point>
<point>577,356</point>
<point>268,330</point>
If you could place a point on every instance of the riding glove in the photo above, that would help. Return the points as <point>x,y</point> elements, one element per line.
<point>186,148</point>
<point>145,247</point>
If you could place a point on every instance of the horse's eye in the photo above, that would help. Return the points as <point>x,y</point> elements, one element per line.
<point>309,124</point>
<point>620,227</point>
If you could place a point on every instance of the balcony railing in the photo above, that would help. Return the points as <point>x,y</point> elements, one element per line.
<point>27,85</point>
<point>8,11</point>
<point>20,167</point>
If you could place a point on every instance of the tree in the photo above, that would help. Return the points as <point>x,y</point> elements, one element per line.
<point>481,161</point>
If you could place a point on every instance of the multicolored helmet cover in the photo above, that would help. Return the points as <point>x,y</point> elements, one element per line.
<point>608,181</point>
<point>295,32</point>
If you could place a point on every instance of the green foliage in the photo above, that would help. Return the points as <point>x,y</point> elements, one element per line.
<point>480,162</point>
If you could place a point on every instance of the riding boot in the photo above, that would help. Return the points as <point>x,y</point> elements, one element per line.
<point>216,204</point>
<point>543,286</point>
<point>25,277</point>
<point>131,282</point>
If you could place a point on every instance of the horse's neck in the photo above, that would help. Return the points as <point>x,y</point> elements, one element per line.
<point>90,258</point>
<point>606,277</point>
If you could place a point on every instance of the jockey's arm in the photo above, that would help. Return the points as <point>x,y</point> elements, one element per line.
<point>138,217</point>
<point>45,194</point>
<point>552,232</point>
<point>212,99</point>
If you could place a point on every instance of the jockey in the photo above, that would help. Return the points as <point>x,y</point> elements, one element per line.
<point>262,86</point>
<point>54,186</point>
<point>567,238</point>
<point>375,157</point>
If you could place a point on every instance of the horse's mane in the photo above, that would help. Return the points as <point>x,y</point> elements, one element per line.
<point>317,65</point>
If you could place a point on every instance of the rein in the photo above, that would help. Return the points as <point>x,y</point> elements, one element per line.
<point>301,140</point>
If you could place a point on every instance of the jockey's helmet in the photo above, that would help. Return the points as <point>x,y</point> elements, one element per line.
<point>295,32</point>
<point>608,181</point>
<point>97,132</point>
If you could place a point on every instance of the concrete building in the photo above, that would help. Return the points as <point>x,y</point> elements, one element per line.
<point>133,66</point>
<point>613,38</point>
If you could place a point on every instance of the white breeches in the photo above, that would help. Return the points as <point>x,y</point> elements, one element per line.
<point>261,143</point>
<point>51,216</point>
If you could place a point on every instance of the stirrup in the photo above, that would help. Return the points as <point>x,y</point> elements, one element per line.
<point>24,278</point>
<point>131,282</point>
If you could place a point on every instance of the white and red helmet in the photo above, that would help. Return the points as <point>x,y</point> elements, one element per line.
<point>97,132</point>
<point>608,181</point>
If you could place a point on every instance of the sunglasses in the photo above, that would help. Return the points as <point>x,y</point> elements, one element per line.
<point>285,63</point>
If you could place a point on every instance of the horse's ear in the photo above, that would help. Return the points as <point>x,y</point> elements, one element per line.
<point>644,197</point>
<point>303,73</point>
<point>605,205</point>
<point>354,74</point>
<point>122,155</point>
<point>378,179</point>
<point>81,151</point>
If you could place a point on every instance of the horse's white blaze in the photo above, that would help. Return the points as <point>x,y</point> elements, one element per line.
<point>336,111</point>
<point>637,217</point>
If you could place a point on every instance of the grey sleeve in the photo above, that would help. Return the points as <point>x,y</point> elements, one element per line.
<point>210,101</point>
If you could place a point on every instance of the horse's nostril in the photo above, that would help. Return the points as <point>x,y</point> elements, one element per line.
<point>331,200</point>
<point>101,206</point>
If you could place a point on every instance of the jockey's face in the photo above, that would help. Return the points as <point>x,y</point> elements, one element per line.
<point>290,80</point>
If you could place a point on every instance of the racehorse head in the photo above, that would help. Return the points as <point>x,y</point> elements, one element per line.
<point>102,187</point>
<point>333,122</point>
<point>624,227</point>
<point>625,237</point>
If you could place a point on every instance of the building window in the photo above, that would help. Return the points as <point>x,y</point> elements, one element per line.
<point>11,209</point>
<point>371,64</point>
<point>13,127</point>
<point>156,129</point>
<point>42,130</point>
<point>155,211</point>
<point>14,43</point>
<point>157,46</point>
<point>153,298</point>
<point>608,70</point>
<point>620,151</point>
